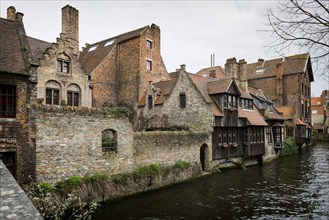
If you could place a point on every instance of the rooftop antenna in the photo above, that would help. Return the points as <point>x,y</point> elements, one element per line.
<point>212,60</point>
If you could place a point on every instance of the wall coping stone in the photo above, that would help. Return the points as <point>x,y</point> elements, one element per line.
<point>14,203</point>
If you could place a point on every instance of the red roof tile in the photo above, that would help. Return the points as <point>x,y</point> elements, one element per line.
<point>253,116</point>
<point>219,71</point>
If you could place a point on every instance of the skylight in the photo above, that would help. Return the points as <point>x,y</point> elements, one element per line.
<point>92,48</point>
<point>108,43</point>
<point>260,71</point>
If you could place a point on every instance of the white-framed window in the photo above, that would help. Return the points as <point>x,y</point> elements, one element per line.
<point>314,111</point>
<point>149,44</point>
<point>148,65</point>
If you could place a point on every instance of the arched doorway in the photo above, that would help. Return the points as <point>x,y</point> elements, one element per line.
<point>204,155</point>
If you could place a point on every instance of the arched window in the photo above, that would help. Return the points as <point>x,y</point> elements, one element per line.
<point>109,140</point>
<point>52,92</point>
<point>73,95</point>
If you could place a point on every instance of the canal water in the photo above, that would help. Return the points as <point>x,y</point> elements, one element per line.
<point>294,187</point>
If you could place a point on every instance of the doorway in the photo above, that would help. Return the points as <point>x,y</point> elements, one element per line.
<point>204,157</point>
<point>9,160</point>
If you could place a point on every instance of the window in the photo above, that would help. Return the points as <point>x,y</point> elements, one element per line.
<point>73,95</point>
<point>227,135</point>
<point>302,88</point>
<point>92,48</point>
<point>268,135</point>
<point>73,98</point>
<point>148,65</point>
<point>229,132</point>
<point>7,101</point>
<point>150,101</point>
<point>109,140</point>
<point>108,43</point>
<point>230,101</point>
<point>246,104</point>
<point>149,44</point>
<point>63,66</point>
<point>314,111</point>
<point>182,100</point>
<point>52,96</point>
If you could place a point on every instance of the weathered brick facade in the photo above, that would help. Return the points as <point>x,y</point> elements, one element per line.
<point>118,66</point>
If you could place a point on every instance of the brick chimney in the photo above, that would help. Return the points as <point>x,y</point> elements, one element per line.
<point>70,24</point>
<point>11,13</point>
<point>279,82</point>
<point>212,73</point>
<point>260,62</point>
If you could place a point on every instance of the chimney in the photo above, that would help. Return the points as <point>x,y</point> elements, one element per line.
<point>70,23</point>
<point>183,67</point>
<point>279,82</point>
<point>242,75</point>
<point>260,62</point>
<point>231,68</point>
<point>11,13</point>
<point>212,73</point>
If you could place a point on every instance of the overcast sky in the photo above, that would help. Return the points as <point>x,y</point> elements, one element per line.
<point>190,30</point>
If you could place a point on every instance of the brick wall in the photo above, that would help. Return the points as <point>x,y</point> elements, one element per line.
<point>68,142</point>
<point>14,132</point>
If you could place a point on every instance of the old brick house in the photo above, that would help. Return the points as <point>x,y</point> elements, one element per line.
<point>18,91</point>
<point>122,66</point>
<point>61,79</point>
<point>320,112</point>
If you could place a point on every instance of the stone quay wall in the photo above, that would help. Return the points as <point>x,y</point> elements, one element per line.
<point>69,143</point>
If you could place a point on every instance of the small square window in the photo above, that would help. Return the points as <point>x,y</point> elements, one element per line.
<point>148,65</point>
<point>149,44</point>
<point>63,66</point>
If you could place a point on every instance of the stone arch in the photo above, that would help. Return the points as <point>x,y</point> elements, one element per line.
<point>204,157</point>
<point>53,92</point>
<point>109,140</point>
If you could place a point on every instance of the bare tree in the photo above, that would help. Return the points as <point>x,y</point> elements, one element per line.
<point>305,24</point>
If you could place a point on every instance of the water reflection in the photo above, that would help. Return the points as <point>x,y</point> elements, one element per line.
<point>295,187</point>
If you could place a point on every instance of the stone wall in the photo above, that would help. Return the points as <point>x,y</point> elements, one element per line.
<point>68,142</point>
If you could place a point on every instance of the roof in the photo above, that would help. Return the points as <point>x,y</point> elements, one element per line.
<point>91,59</point>
<point>297,121</point>
<point>315,100</point>
<point>205,72</point>
<point>219,86</point>
<point>10,49</point>
<point>287,111</point>
<point>293,64</point>
<point>253,116</point>
<point>38,47</point>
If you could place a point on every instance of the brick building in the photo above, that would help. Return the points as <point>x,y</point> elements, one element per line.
<point>18,91</point>
<point>320,112</point>
<point>122,66</point>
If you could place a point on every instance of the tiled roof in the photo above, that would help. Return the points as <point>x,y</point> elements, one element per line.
<point>297,121</point>
<point>315,100</point>
<point>91,59</point>
<point>38,47</point>
<point>292,64</point>
<point>219,86</point>
<point>287,111</point>
<point>253,116</point>
<point>10,49</point>
<point>206,72</point>
<point>244,94</point>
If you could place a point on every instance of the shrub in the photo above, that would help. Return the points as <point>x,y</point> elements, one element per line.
<point>120,178</point>
<point>289,148</point>
<point>182,165</point>
<point>95,177</point>
<point>44,187</point>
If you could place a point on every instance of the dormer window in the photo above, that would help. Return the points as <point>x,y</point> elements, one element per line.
<point>149,44</point>
<point>230,101</point>
<point>246,104</point>
<point>63,66</point>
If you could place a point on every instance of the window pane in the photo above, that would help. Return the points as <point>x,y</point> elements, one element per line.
<point>55,97</point>
<point>48,96</point>
<point>76,99</point>
<point>7,101</point>
<point>65,67</point>
<point>69,98</point>
<point>59,65</point>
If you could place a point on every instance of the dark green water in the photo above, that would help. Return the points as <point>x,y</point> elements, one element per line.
<point>294,187</point>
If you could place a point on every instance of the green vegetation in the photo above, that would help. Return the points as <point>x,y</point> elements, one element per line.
<point>44,187</point>
<point>182,165</point>
<point>289,148</point>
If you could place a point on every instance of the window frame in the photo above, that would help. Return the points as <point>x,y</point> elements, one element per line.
<point>10,104</point>
<point>73,101</point>
<point>149,65</point>
<point>61,64</point>
<point>52,96</point>
<point>149,44</point>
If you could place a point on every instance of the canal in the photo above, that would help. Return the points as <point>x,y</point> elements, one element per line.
<point>294,187</point>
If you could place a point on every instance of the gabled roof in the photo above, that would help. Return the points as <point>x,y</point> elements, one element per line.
<point>220,86</point>
<point>38,47</point>
<point>90,59</point>
<point>205,72</point>
<point>11,54</point>
<point>293,64</point>
<point>253,116</point>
